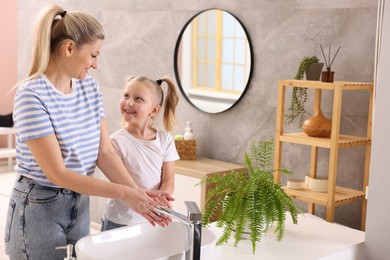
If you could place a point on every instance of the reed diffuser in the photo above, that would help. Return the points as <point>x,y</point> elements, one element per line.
<point>327,76</point>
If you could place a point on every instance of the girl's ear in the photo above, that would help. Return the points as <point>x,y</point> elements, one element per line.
<point>155,111</point>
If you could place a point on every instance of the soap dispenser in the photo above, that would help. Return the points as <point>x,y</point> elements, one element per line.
<point>188,134</point>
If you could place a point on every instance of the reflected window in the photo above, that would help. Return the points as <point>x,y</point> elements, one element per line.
<point>220,50</point>
<point>213,61</point>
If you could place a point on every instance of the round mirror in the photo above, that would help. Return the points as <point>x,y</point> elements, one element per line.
<point>213,61</point>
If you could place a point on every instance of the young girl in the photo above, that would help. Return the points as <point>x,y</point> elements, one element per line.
<point>148,154</point>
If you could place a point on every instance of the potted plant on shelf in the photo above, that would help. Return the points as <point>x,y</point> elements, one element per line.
<point>297,109</point>
<point>249,199</point>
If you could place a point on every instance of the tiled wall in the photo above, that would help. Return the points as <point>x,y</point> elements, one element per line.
<point>141,36</point>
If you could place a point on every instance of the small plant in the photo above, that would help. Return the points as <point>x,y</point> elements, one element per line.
<point>299,95</point>
<point>251,198</point>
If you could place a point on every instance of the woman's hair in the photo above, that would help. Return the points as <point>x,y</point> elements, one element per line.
<point>171,100</point>
<point>55,26</point>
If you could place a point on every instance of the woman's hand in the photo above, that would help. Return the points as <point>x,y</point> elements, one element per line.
<point>144,202</point>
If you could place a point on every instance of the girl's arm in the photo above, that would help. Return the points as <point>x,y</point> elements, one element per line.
<point>168,177</point>
<point>167,184</point>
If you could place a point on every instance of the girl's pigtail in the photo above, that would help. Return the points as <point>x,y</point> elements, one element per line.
<point>171,101</point>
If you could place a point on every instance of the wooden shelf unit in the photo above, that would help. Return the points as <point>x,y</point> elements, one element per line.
<point>335,196</point>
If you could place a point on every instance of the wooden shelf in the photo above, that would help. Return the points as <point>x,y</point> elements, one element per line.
<point>344,141</point>
<point>329,86</point>
<point>342,195</point>
<point>201,167</point>
<point>336,195</point>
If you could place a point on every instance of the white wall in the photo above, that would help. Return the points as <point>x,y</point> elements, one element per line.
<point>8,47</point>
<point>378,211</point>
<point>8,69</point>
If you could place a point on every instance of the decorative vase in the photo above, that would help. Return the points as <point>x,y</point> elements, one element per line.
<point>327,76</point>
<point>317,125</point>
<point>313,71</point>
<point>246,235</point>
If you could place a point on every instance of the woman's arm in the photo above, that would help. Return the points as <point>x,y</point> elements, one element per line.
<point>47,153</point>
<point>109,161</point>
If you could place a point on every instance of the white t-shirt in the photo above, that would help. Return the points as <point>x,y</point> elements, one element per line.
<point>144,160</point>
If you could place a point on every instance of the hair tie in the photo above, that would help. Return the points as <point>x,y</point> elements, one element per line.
<point>159,81</point>
<point>63,14</point>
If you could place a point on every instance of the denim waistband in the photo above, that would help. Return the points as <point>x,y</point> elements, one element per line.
<point>29,180</point>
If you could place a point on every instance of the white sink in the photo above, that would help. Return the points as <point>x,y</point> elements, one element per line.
<point>143,241</point>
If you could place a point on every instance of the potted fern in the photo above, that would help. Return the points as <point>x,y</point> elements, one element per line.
<point>297,109</point>
<point>249,199</point>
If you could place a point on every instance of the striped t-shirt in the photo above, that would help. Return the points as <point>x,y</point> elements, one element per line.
<point>40,110</point>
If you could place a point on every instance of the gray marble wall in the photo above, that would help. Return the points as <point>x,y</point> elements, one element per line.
<point>141,36</point>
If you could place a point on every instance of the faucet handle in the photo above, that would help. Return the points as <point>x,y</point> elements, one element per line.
<point>193,212</point>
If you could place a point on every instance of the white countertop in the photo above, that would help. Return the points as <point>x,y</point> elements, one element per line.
<point>312,238</point>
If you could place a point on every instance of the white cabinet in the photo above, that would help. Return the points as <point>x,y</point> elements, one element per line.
<point>186,189</point>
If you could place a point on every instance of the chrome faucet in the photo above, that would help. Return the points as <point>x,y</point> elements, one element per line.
<point>193,221</point>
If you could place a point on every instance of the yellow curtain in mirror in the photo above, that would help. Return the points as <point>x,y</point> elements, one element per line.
<point>220,52</point>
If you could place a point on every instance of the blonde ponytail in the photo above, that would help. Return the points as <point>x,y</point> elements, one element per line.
<point>55,26</point>
<point>171,101</point>
<point>41,51</point>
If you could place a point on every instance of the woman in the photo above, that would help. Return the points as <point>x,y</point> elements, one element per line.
<point>61,135</point>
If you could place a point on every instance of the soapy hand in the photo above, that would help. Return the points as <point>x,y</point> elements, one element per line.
<point>143,202</point>
<point>163,199</point>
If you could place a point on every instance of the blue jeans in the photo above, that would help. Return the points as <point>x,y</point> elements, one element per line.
<point>41,218</point>
<point>108,225</point>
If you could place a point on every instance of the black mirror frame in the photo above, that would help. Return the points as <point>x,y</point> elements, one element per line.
<point>176,63</point>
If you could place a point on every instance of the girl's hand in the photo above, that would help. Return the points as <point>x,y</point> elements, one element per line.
<point>163,198</point>
<point>143,202</point>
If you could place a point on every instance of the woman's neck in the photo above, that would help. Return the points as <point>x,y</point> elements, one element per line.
<point>60,81</point>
